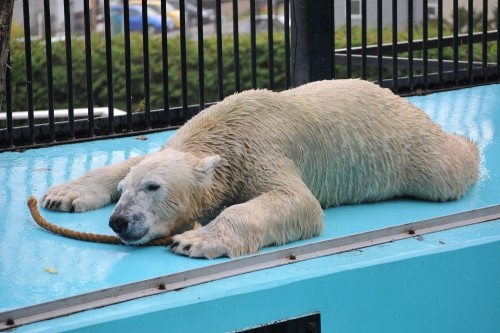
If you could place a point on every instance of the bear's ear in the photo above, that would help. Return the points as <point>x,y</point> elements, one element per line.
<point>208,164</point>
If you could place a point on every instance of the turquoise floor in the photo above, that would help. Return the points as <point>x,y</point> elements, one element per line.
<point>36,266</point>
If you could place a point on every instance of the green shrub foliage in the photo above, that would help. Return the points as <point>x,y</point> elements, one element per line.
<point>99,77</point>
<point>173,59</point>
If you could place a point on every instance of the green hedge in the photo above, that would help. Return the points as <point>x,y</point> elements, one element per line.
<point>210,58</point>
<point>371,36</point>
<point>99,79</point>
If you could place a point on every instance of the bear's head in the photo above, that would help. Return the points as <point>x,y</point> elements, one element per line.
<point>161,195</point>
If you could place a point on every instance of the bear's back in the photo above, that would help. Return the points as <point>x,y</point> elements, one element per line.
<point>343,132</point>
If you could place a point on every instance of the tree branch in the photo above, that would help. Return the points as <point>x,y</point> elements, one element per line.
<point>6,8</point>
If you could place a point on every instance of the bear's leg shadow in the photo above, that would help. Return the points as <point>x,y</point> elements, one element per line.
<point>284,213</point>
<point>92,190</point>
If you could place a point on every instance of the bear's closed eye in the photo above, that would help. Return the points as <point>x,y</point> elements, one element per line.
<point>152,187</point>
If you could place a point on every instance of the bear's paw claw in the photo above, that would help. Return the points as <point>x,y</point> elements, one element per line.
<point>195,244</point>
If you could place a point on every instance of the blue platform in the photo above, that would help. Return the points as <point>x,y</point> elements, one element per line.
<point>447,281</point>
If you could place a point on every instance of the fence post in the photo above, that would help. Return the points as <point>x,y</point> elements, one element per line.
<point>312,45</point>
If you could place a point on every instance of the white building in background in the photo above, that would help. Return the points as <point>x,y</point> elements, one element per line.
<point>77,25</point>
<point>37,17</point>
<point>402,8</point>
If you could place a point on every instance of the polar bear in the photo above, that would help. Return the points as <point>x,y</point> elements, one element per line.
<point>257,168</point>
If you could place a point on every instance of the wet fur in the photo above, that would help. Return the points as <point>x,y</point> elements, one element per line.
<point>261,166</point>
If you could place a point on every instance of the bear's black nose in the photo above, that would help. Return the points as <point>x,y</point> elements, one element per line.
<point>118,224</point>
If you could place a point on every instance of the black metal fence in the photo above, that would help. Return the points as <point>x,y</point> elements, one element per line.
<point>99,70</point>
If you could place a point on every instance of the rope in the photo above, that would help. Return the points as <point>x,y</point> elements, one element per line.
<point>84,236</point>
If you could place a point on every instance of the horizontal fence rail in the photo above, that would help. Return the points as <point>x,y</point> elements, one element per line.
<point>81,70</point>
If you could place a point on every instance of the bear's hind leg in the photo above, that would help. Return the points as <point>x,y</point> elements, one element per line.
<point>443,171</point>
<point>281,215</point>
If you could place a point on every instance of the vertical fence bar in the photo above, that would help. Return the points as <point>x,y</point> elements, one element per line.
<point>363,40</point>
<point>145,62</point>
<point>253,44</point>
<point>455,41</point>
<point>270,44</point>
<point>236,47</point>
<point>128,65</point>
<point>201,58</point>
<point>220,68</point>
<point>395,45</point>
<point>29,70</point>
<point>498,38</point>
<point>311,55</point>
<point>185,108</point>
<point>425,47</point>
<point>288,80</point>
<point>348,37</point>
<point>410,44</point>
<point>88,67</point>
<point>485,39</point>
<point>8,102</point>
<point>69,68</point>
<point>380,68</point>
<point>164,61</point>
<point>332,46</point>
<point>48,57</point>
<point>470,31</point>
<point>440,43</point>
<point>109,67</point>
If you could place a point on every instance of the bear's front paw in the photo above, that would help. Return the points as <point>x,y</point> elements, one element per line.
<point>199,244</point>
<point>73,198</point>
<point>59,198</point>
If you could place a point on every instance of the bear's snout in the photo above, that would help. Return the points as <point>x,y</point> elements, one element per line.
<point>130,228</point>
<point>118,224</point>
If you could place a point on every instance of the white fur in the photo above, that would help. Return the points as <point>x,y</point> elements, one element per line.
<point>259,166</point>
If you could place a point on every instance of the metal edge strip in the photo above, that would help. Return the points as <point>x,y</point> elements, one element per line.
<point>176,281</point>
